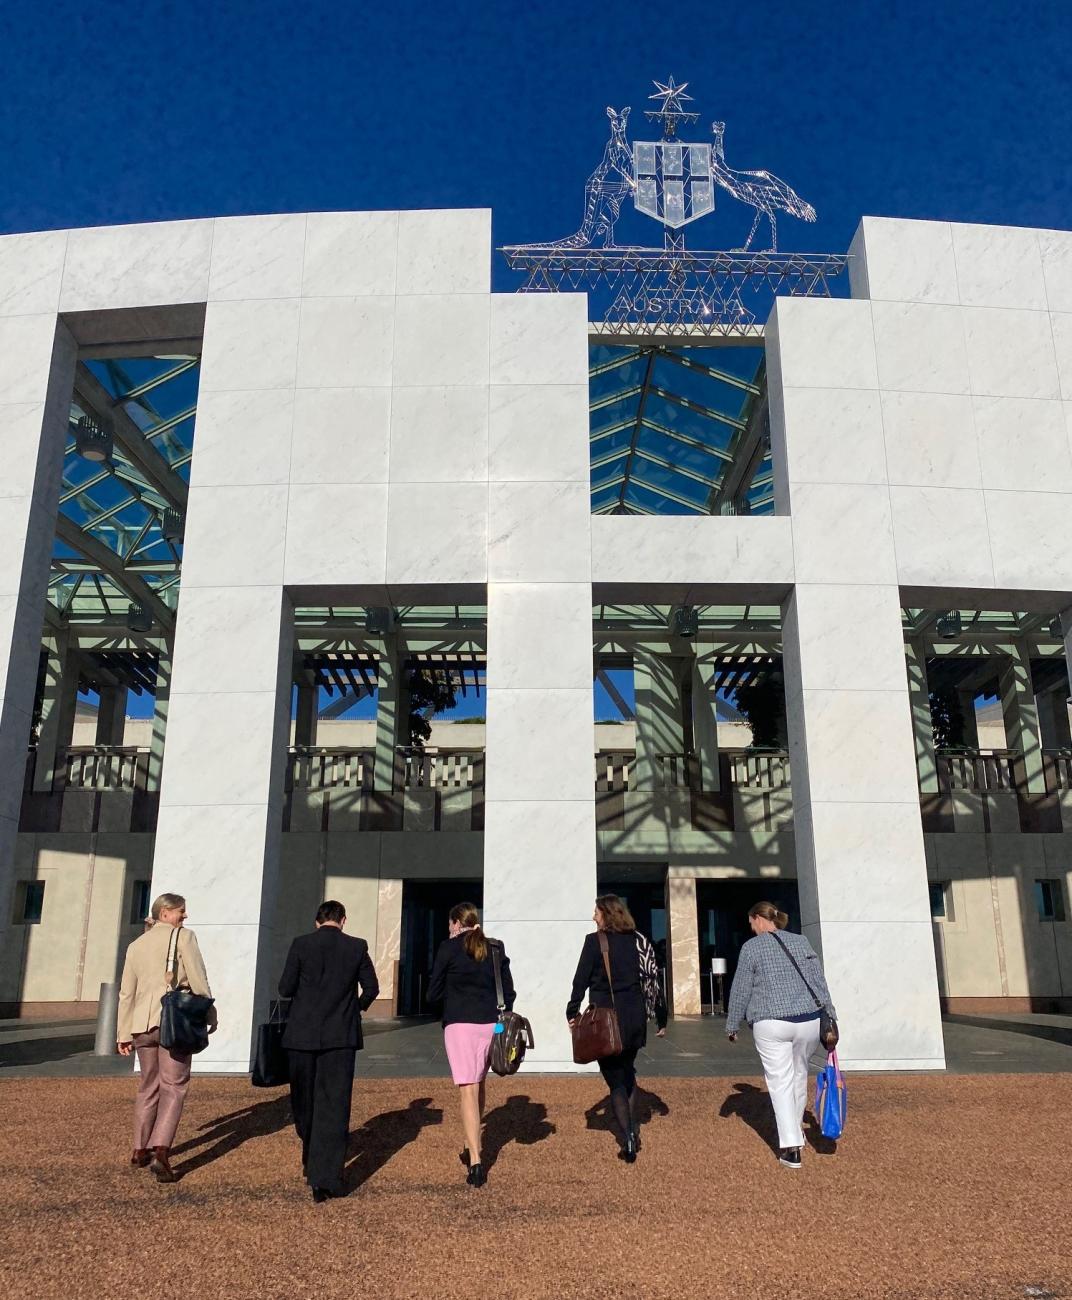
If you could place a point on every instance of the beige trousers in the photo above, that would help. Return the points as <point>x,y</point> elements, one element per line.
<point>165,1076</point>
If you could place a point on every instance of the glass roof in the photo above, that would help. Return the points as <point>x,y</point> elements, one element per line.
<point>678,431</point>
<point>110,549</point>
<point>653,618</point>
<point>975,622</point>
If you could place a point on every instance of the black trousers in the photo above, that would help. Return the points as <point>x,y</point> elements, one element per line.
<point>321,1084</point>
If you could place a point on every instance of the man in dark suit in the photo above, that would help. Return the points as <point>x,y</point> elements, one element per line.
<point>323,1032</point>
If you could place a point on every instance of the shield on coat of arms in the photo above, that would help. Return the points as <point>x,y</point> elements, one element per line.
<point>673,181</point>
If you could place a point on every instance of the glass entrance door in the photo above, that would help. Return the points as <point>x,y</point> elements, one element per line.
<point>426,907</point>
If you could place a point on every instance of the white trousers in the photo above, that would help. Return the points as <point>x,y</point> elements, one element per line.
<point>785,1047</point>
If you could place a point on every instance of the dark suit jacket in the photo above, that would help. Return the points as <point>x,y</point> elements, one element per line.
<point>321,977</point>
<point>467,987</point>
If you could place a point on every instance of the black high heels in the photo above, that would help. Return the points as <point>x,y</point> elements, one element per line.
<point>629,1151</point>
<point>477,1176</point>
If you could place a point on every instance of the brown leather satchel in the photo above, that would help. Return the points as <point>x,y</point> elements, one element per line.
<point>597,1033</point>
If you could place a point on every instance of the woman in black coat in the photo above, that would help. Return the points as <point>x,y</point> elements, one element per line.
<point>636,995</point>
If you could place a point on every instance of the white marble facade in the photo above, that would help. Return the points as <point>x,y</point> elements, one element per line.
<point>373,420</point>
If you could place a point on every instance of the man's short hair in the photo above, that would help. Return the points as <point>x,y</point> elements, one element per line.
<point>330,911</point>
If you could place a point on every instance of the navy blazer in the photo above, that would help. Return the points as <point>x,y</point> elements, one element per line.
<point>467,987</point>
<point>321,978</point>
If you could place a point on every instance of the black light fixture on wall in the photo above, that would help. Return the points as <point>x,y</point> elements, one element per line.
<point>139,619</point>
<point>93,440</point>
<point>172,526</point>
<point>684,621</point>
<point>950,624</point>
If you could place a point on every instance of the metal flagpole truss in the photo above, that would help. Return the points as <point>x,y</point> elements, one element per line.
<point>674,290</point>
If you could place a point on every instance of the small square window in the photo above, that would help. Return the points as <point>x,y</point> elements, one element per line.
<point>1050,900</point>
<point>29,902</point>
<point>140,901</point>
<point>941,892</point>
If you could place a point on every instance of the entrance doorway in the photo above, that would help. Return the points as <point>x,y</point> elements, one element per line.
<point>647,903</point>
<point>426,907</point>
<point>722,921</point>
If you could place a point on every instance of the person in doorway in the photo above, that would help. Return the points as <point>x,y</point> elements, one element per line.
<point>322,976</point>
<point>778,1001</point>
<point>165,948</point>
<point>633,971</point>
<point>463,979</point>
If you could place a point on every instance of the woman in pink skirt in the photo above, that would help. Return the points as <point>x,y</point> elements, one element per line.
<point>463,979</point>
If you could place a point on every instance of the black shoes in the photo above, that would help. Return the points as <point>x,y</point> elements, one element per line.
<point>322,1194</point>
<point>477,1176</point>
<point>790,1157</point>
<point>629,1151</point>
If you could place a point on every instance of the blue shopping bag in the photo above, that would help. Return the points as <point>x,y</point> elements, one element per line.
<point>830,1098</point>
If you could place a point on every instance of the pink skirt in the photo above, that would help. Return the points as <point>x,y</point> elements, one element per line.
<point>468,1048</point>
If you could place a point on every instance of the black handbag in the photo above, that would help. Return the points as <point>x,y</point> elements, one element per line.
<point>597,1034</point>
<point>828,1030</point>
<point>184,1015</point>
<point>513,1033</point>
<point>271,1065</point>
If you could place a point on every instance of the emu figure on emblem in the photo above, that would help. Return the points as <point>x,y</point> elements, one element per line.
<point>759,189</point>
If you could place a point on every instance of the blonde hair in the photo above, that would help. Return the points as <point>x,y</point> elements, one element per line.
<point>164,902</point>
<point>617,918</point>
<point>475,942</point>
<point>769,913</point>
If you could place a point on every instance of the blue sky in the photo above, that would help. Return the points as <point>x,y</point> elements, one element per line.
<point>114,113</point>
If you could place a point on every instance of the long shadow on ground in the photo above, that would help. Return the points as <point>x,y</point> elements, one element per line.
<point>373,1144</point>
<point>228,1132</point>
<point>645,1107</point>
<point>752,1104</point>
<point>43,1051</point>
<point>519,1119</point>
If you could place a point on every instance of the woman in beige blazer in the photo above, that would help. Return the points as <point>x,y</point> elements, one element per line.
<point>165,1075</point>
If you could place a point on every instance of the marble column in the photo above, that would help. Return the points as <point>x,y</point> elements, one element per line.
<point>111,715</point>
<point>1019,711</point>
<point>37,362</point>
<point>922,725</point>
<point>861,865</point>
<point>388,948</point>
<point>683,945</point>
<point>539,836</point>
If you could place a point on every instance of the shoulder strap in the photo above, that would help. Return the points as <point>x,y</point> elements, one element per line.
<point>500,1000</point>
<point>171,966</point>
<point>604,948</point>
<point>817,1001</point>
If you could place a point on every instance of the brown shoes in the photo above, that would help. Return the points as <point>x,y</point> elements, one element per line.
<point>140,1158</point>
<point>160,1166</point>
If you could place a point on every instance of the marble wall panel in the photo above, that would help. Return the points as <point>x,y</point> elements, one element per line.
<point>26,346</point>
<point>230,950</point>
<point>439,435</point>
<point>873,614</point>
<point>1061,329</point>
<point>942,537</point>
<point>31,271</point>
<point>905,261</point>
<point>539,860</point>
<point>539,745</point>
<point>930,440</point>
<point>336,532</point>
<point>860,746</point>
<point>350,254</point>
<point>825,343</point>
<point>539,338</point>
<point>201,772</point>
<point>346,343</point>
<point>999,266</point>
<point>442,339</point>
<point>147,265</point>
<point>444,251</point>
<point>437,533</point>
<point>200,668</point>
<point>920,347</point>
<point>257,257</point>
<point>1023,444</point>
<point>820,417</point>
<point>1029,539</point>
<point>243,437</point>
<point>341,433</point>
<point>858,550</point>
<point>244,530</point>
<point>691,550</point>
<point>539,532</point>
<point>523,620</point>
<point>539,433</point>
<point>250,345</point>
<point>683,946</point>
<point>866,851</point>
<point>1010,353</point>
<point>1055,247</point>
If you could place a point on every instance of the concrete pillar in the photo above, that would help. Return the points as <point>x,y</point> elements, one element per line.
<point>392,712</point>
<point>36,381</point>
<point>966,700</point>
<point>58,709</point>
<point>658,715</point>
<point>922,725</point>
<point>306,717</point>
<point>388,944</point>
<point>682,946</point>
<point>111,715</point>
<point>1053,718</point>
<point>704,722</point>
<point>861,866</point>
<point>160,714</point>
<point>1018,709</point>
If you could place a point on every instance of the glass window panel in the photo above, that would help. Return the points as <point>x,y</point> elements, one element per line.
<point>673,157</point>
<point>674,201</point>
<point>644,155</point>
<point>700,160</point>
<point>659,476</point>
<point>677,452</point>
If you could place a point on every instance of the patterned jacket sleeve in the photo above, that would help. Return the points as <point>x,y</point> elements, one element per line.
<point>741,990</point>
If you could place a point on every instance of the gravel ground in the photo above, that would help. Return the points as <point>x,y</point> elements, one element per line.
<point>942,1187</point>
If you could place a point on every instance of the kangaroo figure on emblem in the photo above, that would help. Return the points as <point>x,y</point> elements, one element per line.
<point>603,197</point>
<point>759,189</point>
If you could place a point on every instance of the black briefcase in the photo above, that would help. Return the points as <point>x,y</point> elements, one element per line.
<point>271,1069</point>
